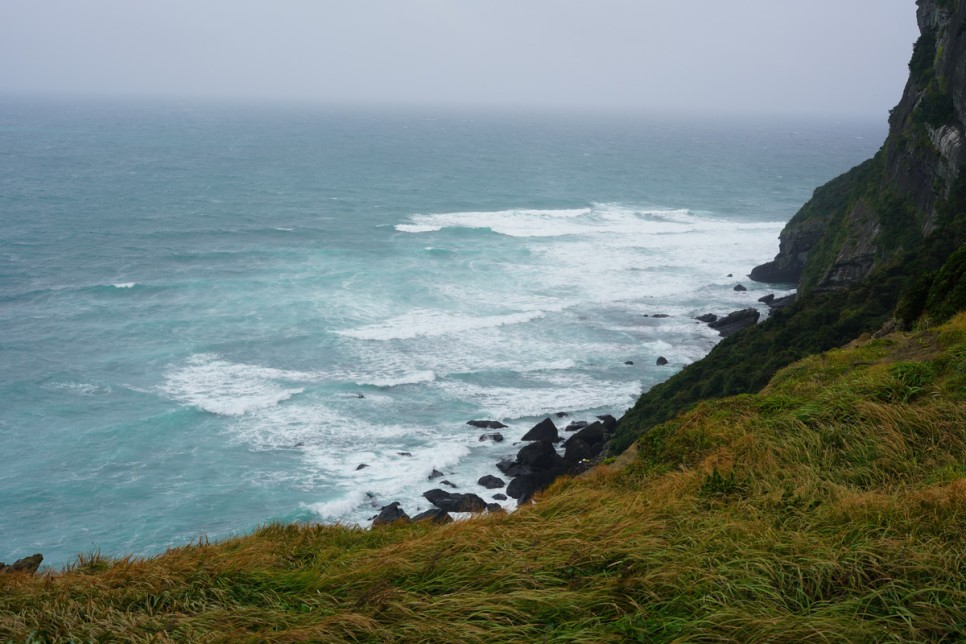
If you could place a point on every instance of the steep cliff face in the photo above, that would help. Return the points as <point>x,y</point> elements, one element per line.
<point>880,246</point>
<point>869,218</point>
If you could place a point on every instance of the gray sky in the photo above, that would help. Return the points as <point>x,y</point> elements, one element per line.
<point>811,56</point>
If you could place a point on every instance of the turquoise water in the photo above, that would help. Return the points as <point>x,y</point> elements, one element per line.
<point>210,316</point>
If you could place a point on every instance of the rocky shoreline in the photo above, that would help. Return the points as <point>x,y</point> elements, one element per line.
<point>540,461</point>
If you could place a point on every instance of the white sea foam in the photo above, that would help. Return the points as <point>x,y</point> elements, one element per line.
<point>425,322</point>
<point>124,285</point>
<point>230,389</point>
<point>413,378</point>
<point>513,223</point>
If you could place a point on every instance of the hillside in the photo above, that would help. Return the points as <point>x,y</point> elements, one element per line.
<point>881,244</point>
<point>831,505</point>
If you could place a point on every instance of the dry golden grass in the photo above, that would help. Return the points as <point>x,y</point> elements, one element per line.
<point>831,507</point>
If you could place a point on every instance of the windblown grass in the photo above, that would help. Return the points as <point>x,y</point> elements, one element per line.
<point>832,506</point>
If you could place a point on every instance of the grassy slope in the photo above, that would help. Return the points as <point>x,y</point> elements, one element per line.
<point>832,505</point>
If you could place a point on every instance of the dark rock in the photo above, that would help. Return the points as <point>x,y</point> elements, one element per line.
<point>500,497</point>
<point>404,453</point>
<point>300,444</point>
<point>491,482</point>
<point>735,321</point>
<point>486,424</point>
<point>390,514</point>
<point>577,451</point>
<point>661,361</point>
<point>522,488</point>
<point>448,484</point>
<point>610,423</point>
<point>435,475</point>
<point>539,455</point>
<point>660,315</point>
<point>359,396</point>
<point>794,244</point>
<point>495,508</point>
<point>562,414</point>
<point>496,437</point>
<point>435,515</point>
<point>730,275</point>
<point>707,317</point>
<point>782,302</point>
<point>451,502</point>
<point>593,436</point>
<point>628,362</point>
<point>512,467</point>
<point>739,288</point>
<point>361,466</point>
<point>767,299</point>
<point>574,426</point>
<point>545,430</point>
<point>28,565</point>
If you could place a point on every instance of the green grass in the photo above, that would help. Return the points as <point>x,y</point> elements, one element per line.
<point>831,507</point>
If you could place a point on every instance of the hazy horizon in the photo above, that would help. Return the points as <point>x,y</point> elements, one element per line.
<point>750,56</point>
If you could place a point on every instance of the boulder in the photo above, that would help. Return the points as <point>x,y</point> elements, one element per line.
<point>496,437</point>
<point>404,453</point>
<point>435,515</point>
<point>629,362</point>
<point>435,475</point>
<point>539,455</point>
<point>594,436</point>
<point>707,317</point>
<point>361,466</point>
<point>767,299</point>
<point>28,565</point>
<point>390,514</point>
<point>660,315</point>
<point>495,508</point>
<point>500,497</point>
<point>491,482</point>
<point>661,361</point>
<point>545,430</point>
<point>451,502</point>
<point>739,288</point>
<point>448,484</point>
<point>574,426</point>
<point>610,423</point>
<point>561,414</point>
<point>512,467</point>
<point>576,452</point>
<point>522,488</point>
<point>486,424</point>
<point>735,321</point>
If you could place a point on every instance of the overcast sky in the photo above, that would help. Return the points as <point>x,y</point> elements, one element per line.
<point>805,56</point>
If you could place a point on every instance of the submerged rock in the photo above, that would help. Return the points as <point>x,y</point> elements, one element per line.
<point>661,361</point>
<point>486,424</point>
<point>496,437</point>
<point>739,287</point>
<point>361,466</point>
<point>435,475</point>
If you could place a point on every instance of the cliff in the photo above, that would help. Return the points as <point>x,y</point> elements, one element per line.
<point>881,245</point>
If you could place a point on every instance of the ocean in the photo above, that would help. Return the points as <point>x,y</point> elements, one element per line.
<point>211,316</point>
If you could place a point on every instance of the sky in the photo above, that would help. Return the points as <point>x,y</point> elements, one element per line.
<point>749,56</point>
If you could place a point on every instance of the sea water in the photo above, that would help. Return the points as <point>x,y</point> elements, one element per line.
<point>211,317</point>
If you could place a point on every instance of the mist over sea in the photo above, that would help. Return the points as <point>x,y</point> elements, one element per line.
<point>211,316</point>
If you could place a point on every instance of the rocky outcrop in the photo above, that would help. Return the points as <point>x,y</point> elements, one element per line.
<point>434,515</point>
<point>736,321</point>
<point>28,565</point>
<point>794,244</point>
<point>486,424</point>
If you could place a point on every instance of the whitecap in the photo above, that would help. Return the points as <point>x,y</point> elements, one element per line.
<point>423,322</point>
<point>414,378</point>
<point>228,388</point>
<point>124,285</point>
